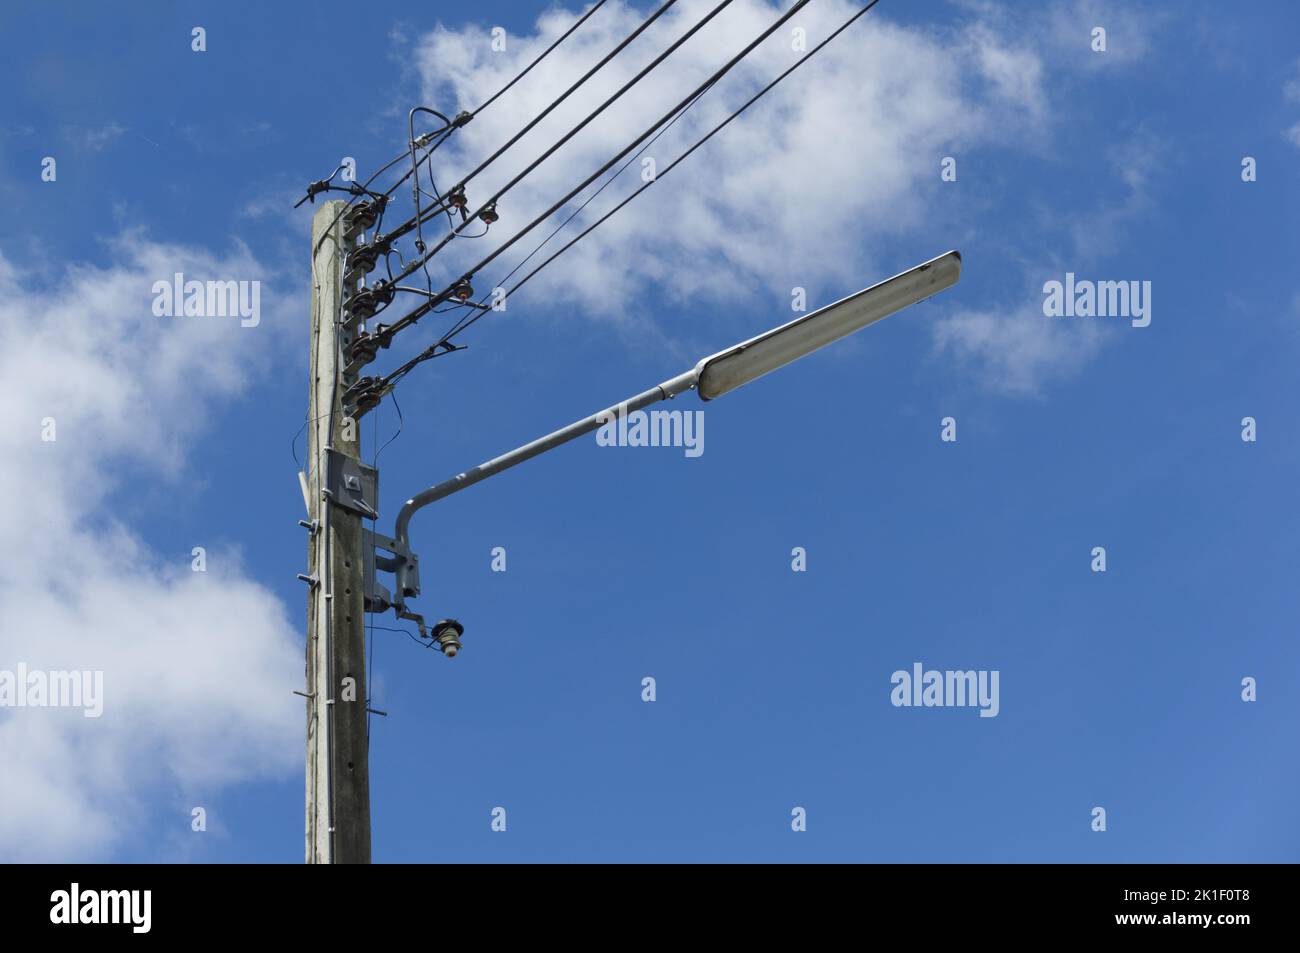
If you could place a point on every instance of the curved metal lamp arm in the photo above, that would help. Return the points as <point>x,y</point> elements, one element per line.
<point>713,376</point>
<point>668,389</point>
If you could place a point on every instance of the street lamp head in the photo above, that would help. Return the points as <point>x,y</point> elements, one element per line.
<point>744,362</point>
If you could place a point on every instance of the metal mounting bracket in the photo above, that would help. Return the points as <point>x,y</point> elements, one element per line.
<point>351,484</point>
<point>404,565</point>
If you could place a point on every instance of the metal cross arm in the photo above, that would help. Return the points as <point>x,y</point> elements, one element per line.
<point>712,377</point>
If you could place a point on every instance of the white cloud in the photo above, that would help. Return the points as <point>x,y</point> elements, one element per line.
<point>805,188</point>
<point>1015,351</point>
<point>817,180</point>
<point>197,666</point>
<point>1014,347</point>
<point>1016,74</point>
<point>1135,160</point>
<point>93,138</point>
<point>1291,93</point>
<point>1291,88</point>
<point>1128,32</point>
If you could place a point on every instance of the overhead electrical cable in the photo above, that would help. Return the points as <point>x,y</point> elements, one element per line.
<point>453,124</point>
<point>545,53</point>
<point>409,224</point>
<point>464,324</point>
<point>421,310</point>
<point>442,243</point>
<point>714,131</point>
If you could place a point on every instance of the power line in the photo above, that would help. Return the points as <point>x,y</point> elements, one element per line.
<point>582,125</point>
<point>714,131</point>
<point>441,134</point>
<point>364,188</point>
<point>576,212</point>
<point>414,316</point>
<point>567,33</point>
<point>726,68</point>
<point>645,24</point>
<point>449,126</point>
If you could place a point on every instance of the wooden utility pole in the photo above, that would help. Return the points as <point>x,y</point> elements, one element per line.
<point>338,769</point>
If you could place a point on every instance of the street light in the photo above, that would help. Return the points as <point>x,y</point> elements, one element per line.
<point>711,377</point>
<point>729,369</point>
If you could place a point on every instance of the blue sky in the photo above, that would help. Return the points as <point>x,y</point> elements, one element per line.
<point>1119,689</point>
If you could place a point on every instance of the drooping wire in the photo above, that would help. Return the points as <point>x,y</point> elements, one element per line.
<point>370,612</point>
<point>429,141</point>
<point>401,425</point>
<point>293,444</point>
<point>416,191</point>
<point>407,632</point>
<point>364,188</point>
